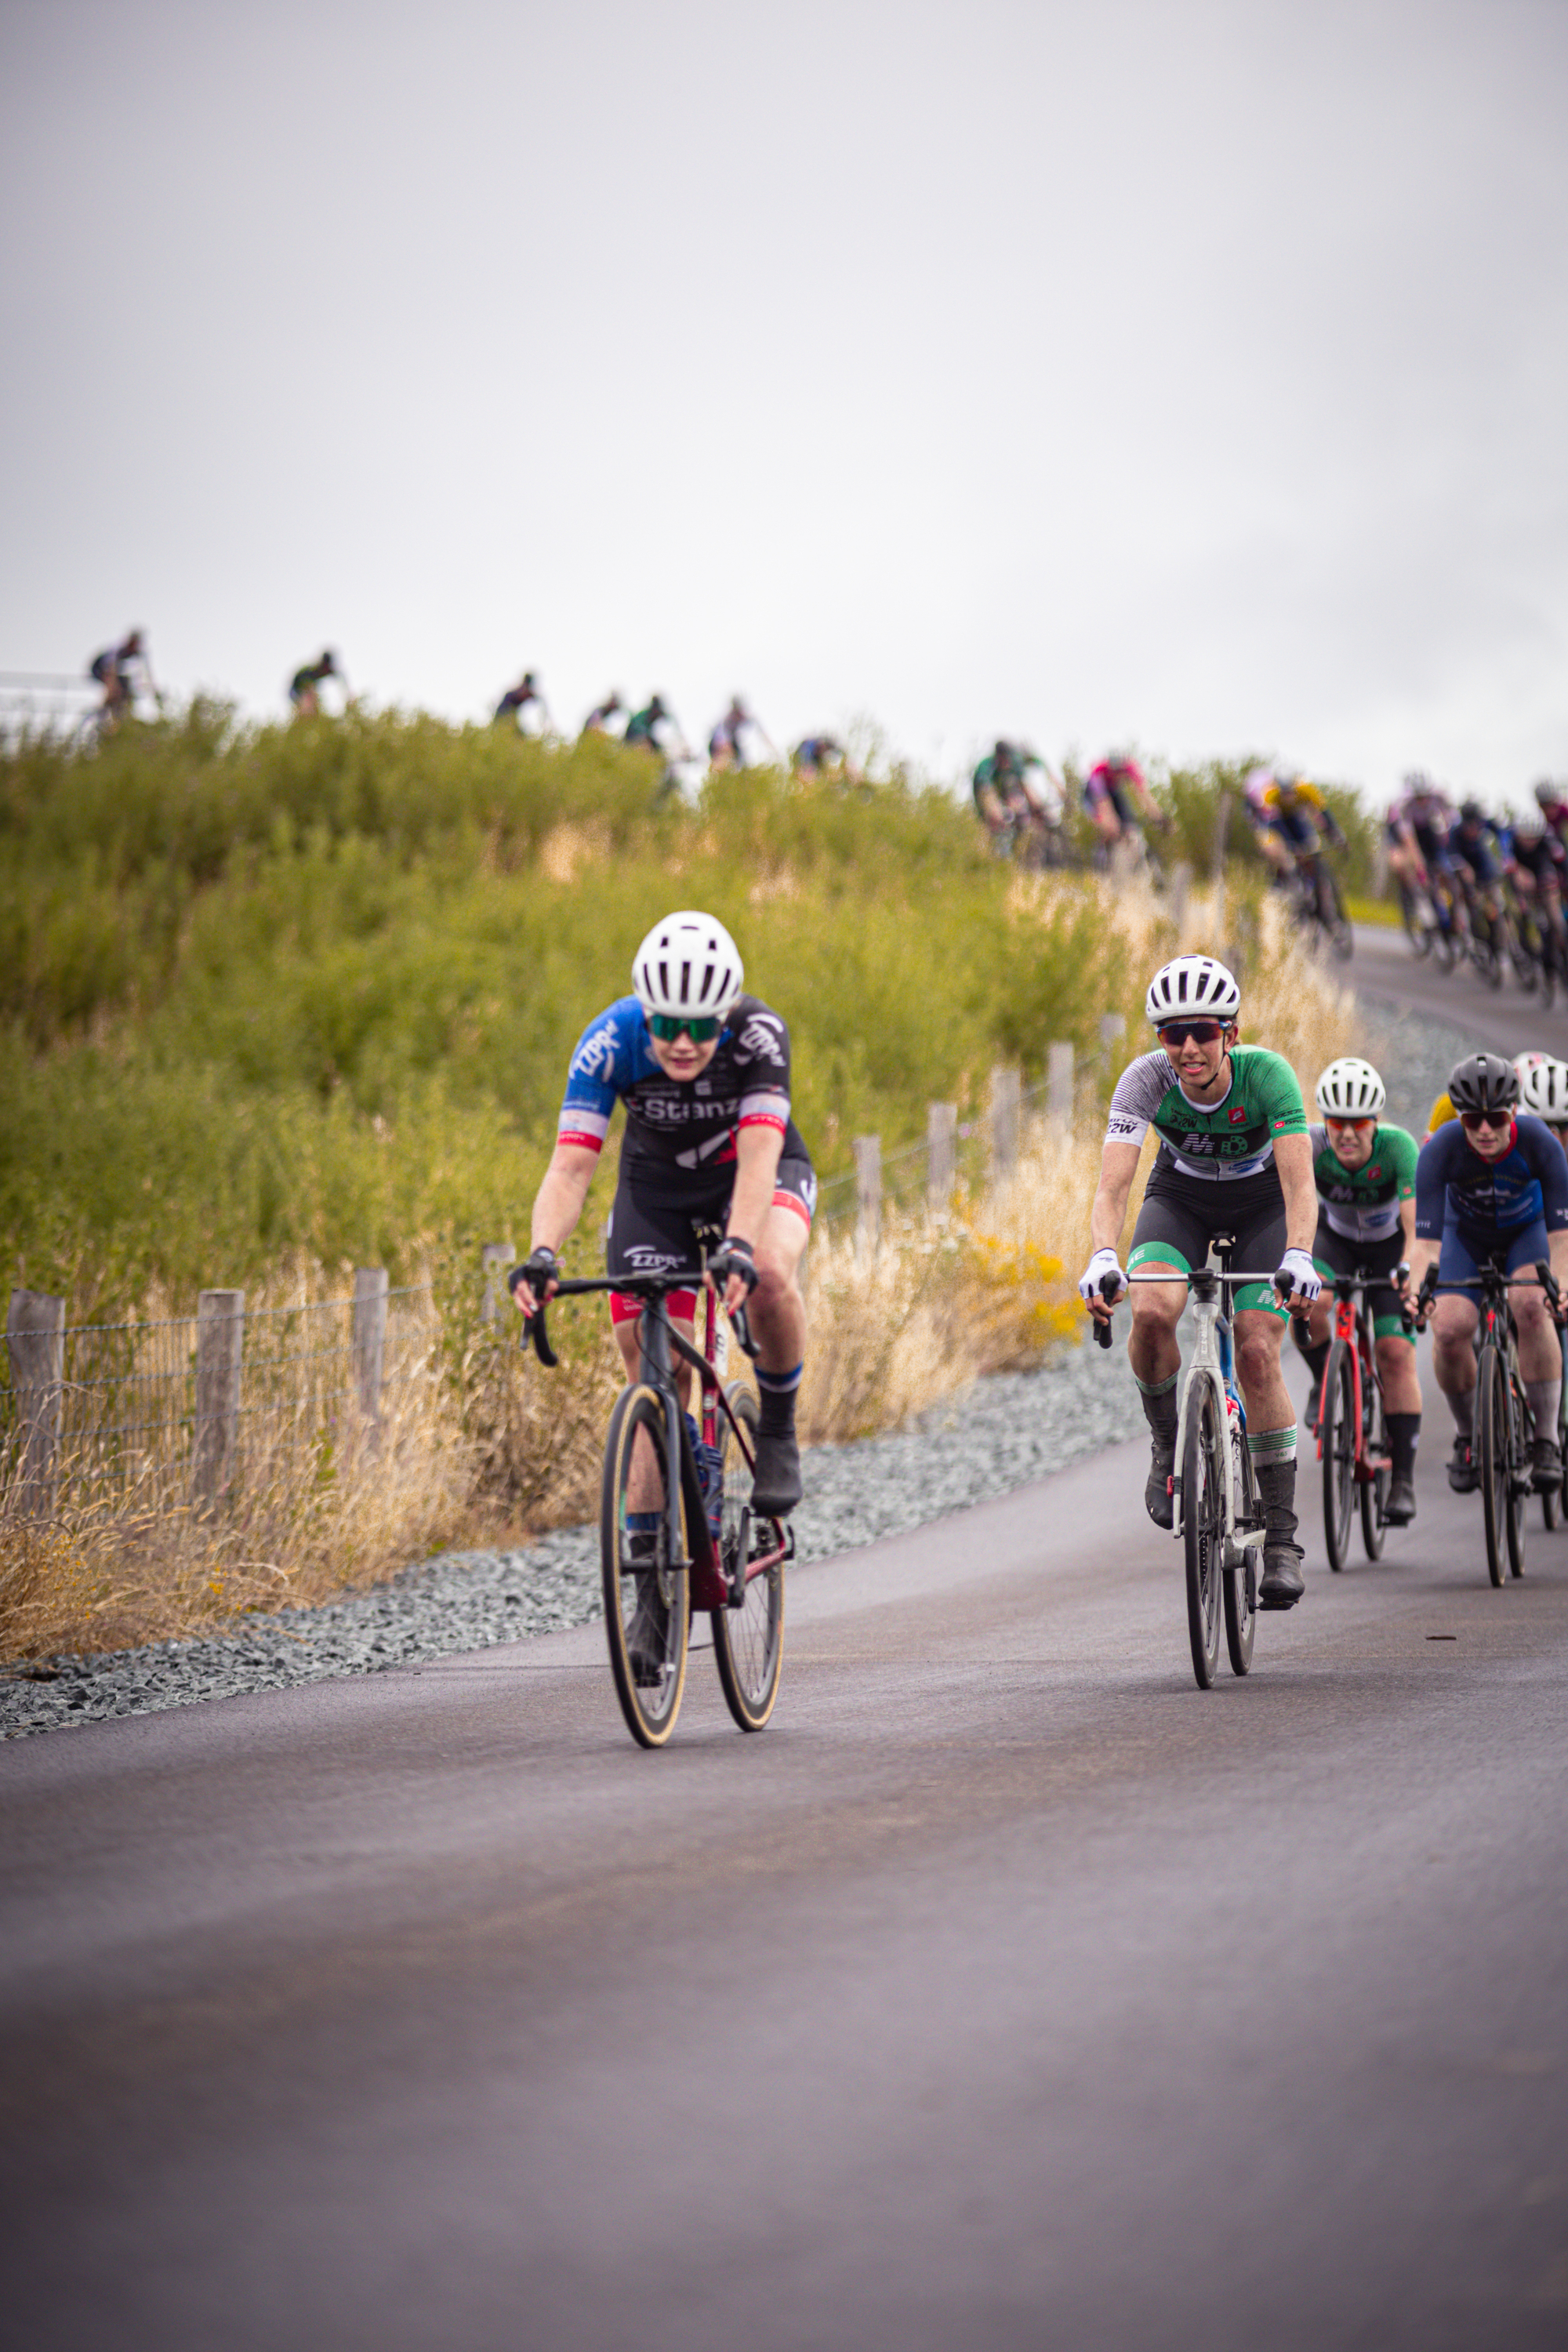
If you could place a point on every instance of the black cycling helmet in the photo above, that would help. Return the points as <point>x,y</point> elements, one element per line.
<point>1484,1082</point>
<point>1471,813</point>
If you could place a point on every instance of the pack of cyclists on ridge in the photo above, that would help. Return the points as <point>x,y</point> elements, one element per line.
<point>1480,889</point>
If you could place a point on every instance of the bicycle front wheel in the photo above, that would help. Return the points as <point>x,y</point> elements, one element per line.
<point>748,1642</point>
<point>1203,1520</point>
<point>1520,1481</point>
<point>1491,1459</point>
<point>646,1594</point>
<point>1374,1490</point>
<point>1336,1435</point>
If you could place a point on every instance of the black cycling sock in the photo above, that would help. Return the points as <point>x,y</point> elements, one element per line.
<point>1317,1354</point>
<point>1404,1430</point>
<point>776,1393</point>
<point>1160,1408</point>
<point>1276,1493</point>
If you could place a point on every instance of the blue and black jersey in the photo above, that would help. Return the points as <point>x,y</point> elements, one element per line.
<point>1456,1187</point>
<point>688,1123</point>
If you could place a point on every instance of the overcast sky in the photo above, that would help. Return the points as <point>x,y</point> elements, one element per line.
<point>1191,374</point>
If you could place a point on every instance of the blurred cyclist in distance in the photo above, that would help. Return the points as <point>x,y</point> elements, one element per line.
<point>525,707</point>
<point>304,687</point>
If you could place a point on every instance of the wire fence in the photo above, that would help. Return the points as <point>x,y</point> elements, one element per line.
<point>107,1404</point>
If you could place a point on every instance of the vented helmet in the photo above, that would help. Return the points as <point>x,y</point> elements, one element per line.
<point>1529,824</point>
<point>1484,1082</point>
<point>1524,1063</point>
<point>1192,983</point>
<point>1544,1091</point>
<point>1351,1088</point>
<point>688,963</point>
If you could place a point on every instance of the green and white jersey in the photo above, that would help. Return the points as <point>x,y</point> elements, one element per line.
<point>1234,1137</point>
<point>1362,1204</point>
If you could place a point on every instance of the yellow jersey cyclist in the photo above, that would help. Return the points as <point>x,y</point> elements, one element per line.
<point>712,1160</point>
<point>1365,1174</point>
<point>1233,1157</point>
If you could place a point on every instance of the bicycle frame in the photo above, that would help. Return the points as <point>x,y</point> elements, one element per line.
<point>1214,1365</point>
<point>658,1346</point>
<point>1352,1324</point>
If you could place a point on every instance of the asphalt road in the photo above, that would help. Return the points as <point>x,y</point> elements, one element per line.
<point>1008,1991</point>
<point>1502,1020</point>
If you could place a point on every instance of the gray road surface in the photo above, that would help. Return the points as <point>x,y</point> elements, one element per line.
<point>1502,1021</point>
<point>1007,1992</point>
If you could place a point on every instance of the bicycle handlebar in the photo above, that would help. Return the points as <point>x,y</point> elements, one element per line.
<point>651,1286</point>
<point>1108,1290</point>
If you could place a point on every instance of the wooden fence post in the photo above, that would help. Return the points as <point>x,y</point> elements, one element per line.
<point>497,1258</point>
<point>868,1149</point>
<point>36,1336</point>
<point>1112,1026</point>
<point>1181,885</point>
<point>941,1149</point>
<point>370,1338</point>
<point>1058,1086</point>
<point>1004,1093</point>
<point>1220,835</point>
<point>220,1347</point>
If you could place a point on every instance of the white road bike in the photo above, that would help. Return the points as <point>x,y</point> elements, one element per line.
<point>1219,1519</point>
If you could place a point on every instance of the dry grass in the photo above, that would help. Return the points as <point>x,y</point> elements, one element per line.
<point>479,1443</point>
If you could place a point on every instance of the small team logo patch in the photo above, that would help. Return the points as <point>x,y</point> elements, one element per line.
<point>1238,1114</point>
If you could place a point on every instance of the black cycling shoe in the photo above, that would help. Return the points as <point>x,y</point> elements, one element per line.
<point>1463,1475</point>
<point>647,1633</point>
<point>775,1487</point>
<point>1283,1582</point>
<point>1399,1503</point>
<point>1545,1464</point>
<point>1157,1493</point>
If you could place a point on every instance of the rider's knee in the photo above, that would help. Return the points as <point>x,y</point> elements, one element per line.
<point>1258,1351</point>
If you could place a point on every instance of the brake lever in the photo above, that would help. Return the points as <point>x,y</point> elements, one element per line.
<point>1107,1292</point>
<point>740,1323</point>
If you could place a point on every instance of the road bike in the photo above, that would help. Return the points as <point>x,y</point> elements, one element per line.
<point>1504,1425</point>
<point>688,1549</point>
<point>1352,1442</point>
<point>1318,908</point>
<point>1219,1520</point>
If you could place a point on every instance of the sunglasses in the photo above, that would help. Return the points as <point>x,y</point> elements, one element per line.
<point>1201,1033</point>
<point>1494,1118</point>
<point>702,1028</point>
<point>1358,1124</point>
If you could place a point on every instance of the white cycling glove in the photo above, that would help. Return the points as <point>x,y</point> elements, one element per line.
<point>1104,1261</point>
<point>1305,1279</point>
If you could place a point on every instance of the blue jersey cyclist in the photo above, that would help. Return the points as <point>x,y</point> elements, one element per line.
<point>711,1161</point>
<point>1493,1185</point>
<point>1233,1157</point>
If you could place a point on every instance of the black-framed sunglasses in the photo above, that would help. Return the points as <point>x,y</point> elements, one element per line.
<point>701,1027</point>
<point>1201,1033</point>
<point>1493,1118</point>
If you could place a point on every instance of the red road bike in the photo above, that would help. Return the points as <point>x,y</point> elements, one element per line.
<point>1352,1443</point>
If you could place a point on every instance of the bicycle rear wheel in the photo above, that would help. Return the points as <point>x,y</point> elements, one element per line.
<point>1202,1520</point>
<point>1374,1490</point>
<point>1491,1459</point>
<point>647,1595</point>
<point>748,1642</point>
<point>1337,1435</point>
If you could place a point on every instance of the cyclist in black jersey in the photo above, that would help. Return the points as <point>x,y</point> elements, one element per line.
<point>601,719</point>
<point>119,670</point>
<point>523,707</point>
<point>1233,1157</point>
<point>712,1163</point>
<point>304,686</point>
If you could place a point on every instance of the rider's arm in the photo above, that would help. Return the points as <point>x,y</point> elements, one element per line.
<point>1118,1166</point>
<point>758,1150</point>
<point>558,1203</point>
<point>1293,1158</point>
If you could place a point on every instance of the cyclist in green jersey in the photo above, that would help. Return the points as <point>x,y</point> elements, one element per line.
<point>1365,1176</point>
<point>1233,1157</point>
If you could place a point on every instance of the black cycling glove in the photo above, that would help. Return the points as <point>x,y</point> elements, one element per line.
<point>733,1257</point>
<point>539,1267</point>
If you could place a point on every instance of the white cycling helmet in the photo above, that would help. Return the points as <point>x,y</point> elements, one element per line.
<point>1543,1089</point>
<point>1524,1063</point>
<point>1351,1088</point>
<point>688,963</point>
<point>1192,983</point>
<point>1529,824</point>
